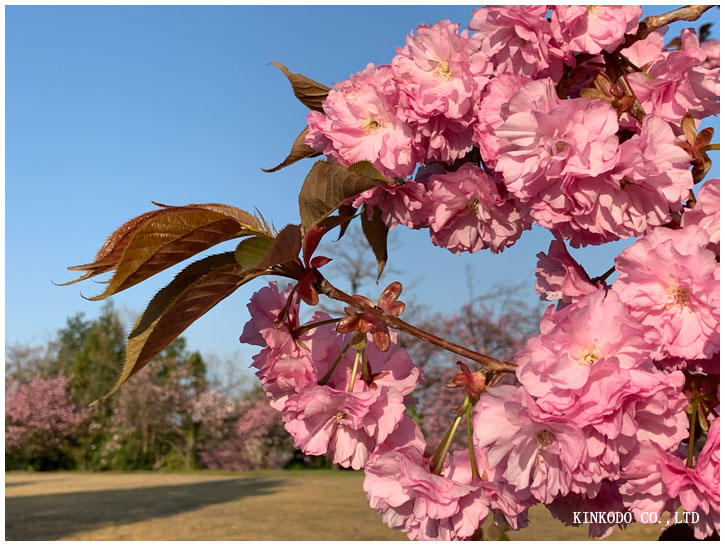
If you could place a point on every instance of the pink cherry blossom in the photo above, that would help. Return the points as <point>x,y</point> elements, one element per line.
<point>361,123</point>
<point>344,426</point>
<point>643,53</point>
<point>405,203</point>
<point>438,85</point>
<point>497,93</point>
<point>560,277</point>
<point>283,375</point>
<point>698,489</point>
<point>642,488</point>
<point>706,213</point>
<point>426,506</point>
<point>591,29</point>
<point>264,308</point>
<point>670,281</point>
<point>493,491</point>
<point>647,184</point>
<point>548,146</point>
<point>539,455</point>
<point>607,500</point>
<point>596,329</point>
<point>518,39</point>
<point>678,83</point>
<point>472,212</point>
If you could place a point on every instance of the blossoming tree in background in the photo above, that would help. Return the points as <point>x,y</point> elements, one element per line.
<point>579,119</point>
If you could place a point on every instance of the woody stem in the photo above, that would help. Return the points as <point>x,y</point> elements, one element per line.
<point>691,441</point>
<point>489,362</point>
<point>653,22</point>
<point>329,373</point>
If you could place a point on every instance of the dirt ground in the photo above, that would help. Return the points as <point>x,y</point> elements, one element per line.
<point>265,505</point>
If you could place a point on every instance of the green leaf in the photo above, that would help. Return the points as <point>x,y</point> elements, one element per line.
<point>328,186</point>
<point>299,151</point>
<point>310,93</point>
<point>192,293</point>
<point>376,233</point>
<point>251,251</point>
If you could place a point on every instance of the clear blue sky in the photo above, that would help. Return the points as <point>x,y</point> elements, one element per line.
<point>108,108</point>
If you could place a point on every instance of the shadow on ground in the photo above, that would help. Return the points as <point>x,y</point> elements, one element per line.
<point>50,517</point>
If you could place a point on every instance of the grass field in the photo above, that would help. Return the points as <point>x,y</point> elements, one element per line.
<point>264,505</point>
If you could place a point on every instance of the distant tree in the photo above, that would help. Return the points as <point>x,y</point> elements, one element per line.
<point>244,435</point>
<point>497,323</point>
<point>43,425</point>
<point>91,353</point>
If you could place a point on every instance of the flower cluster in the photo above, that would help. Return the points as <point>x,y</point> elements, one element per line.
<point>561,117</point>
<point>312,379</point>
<point>527,104</point>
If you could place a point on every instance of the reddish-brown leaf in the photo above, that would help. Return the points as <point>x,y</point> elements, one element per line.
<point>328,186</point>
<point>299,151</point>
<point>285,247</point>
<point>192,293</point>
<point>108,255</point>
<point>376,233</point>
<point>309,92</point>
<point>162,238</point>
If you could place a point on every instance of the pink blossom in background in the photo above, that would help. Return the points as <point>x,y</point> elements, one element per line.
<point>706,212</point>
<point>591,29</point>
<point>473,212</point>
<point>560,277</point>
<point>361,123</point>
<point>40,415</point>
<point>670,281</point>
<point>518,39</point>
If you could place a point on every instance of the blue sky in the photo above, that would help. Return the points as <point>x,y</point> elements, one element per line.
<point>109,108</point>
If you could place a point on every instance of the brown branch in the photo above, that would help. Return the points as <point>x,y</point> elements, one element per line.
<point>490,363</point>
<point>603,276</point>
<point>649,24</point>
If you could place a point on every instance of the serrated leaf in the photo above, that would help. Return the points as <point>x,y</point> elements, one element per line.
<point>347,213</point>
<point>251,251</point>
<point>299,151</point>
<point>376,233</point>
<point>328,186</point>
<point>112,249</point>
<point>192,293</point>
<point>309,92</point>
<point>284,248</point>
<point>160,239</point>
<point>366,168</point>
